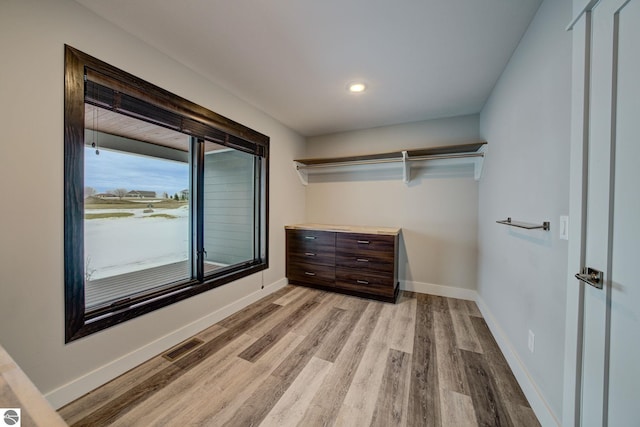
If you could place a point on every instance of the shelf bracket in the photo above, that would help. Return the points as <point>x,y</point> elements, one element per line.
<point>302,174</point>
<point>406,167</point>
<point>479,163</point>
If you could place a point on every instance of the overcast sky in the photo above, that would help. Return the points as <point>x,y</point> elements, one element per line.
<point>111,169</point>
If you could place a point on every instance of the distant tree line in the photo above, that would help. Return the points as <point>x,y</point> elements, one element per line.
<point>123,192</point>
<point>89,192</point>
<point>120,192</point>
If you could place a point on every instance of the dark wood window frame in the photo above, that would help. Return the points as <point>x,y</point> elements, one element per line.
<point>165,109</point>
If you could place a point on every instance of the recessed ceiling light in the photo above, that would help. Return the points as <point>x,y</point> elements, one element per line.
<point>357,87</point>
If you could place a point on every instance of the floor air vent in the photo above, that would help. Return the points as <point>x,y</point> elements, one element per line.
<point>182,349</point>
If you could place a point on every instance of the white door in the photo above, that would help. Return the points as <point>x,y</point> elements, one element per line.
<point>624,365</point>
<point>608,392</point>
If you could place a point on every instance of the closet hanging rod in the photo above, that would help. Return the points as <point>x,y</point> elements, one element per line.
<point>446,156</point>
<point>390,160</point>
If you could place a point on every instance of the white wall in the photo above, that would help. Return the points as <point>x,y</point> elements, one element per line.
<point>522,274</point>
<point>32,38</point>
<point>437,210</point>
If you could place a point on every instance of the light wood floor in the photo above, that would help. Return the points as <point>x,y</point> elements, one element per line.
<point>303,357</point>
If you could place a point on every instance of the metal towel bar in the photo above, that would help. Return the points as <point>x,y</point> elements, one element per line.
<point>545,225</point>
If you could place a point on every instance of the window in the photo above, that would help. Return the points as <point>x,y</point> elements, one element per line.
<point>164,199</point>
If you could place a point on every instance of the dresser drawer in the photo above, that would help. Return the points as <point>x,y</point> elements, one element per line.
<point>358,281</point>
<point>309,273</point>
<point>365,264</point>
<point>370,246</point>
<point>318,242</point>
<point>315,258</point>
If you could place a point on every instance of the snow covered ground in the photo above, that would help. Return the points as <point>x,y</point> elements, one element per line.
<point>123,245</point>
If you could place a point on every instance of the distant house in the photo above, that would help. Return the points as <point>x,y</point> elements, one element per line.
<point>141,194</point>
<point>105,196</point>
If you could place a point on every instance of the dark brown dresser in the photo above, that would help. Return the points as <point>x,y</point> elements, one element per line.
<point>359,261</point>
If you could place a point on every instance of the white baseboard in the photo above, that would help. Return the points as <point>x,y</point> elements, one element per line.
<point>82,385</point>
<point>439,290</point>
<point>531,391</point>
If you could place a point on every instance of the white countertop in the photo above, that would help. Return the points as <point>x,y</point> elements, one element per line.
<point>387,231</point>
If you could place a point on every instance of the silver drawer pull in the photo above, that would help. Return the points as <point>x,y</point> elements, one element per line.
<point>364,242</point>
<point>310,237</point>
<point>362,282</point>
<point>362,260</point>
<point>308,273</point>
<point>309,254</point>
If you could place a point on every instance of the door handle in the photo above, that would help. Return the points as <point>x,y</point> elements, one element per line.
<point>591,277</point>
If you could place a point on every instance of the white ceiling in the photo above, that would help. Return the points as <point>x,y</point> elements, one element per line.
<point>421,59</point>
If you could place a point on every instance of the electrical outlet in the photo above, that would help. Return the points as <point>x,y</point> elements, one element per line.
<point>532,339</point>
<point>564,227</point>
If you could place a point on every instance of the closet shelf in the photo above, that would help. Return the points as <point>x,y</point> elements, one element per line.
<point>527,225</point>
<point>473,153</point>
